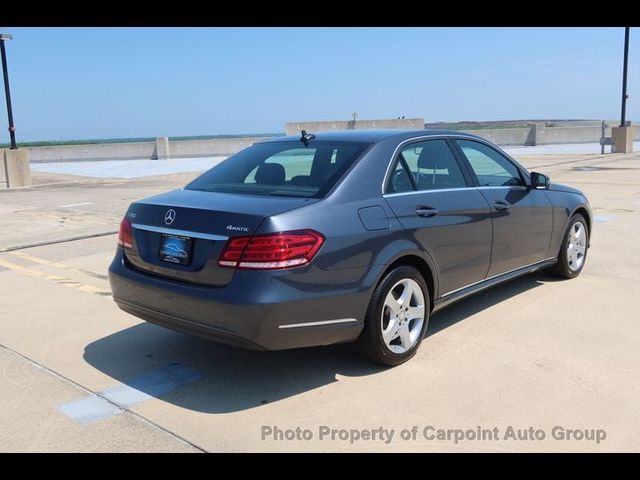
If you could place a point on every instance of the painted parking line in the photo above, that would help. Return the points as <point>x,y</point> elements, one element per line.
<point>115,400</point>
<point>67,282</point>
<point>603,218</point>
<point>60,265</point>
<point>69,205</point>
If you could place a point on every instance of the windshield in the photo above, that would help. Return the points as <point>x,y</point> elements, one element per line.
<point>281,169</point>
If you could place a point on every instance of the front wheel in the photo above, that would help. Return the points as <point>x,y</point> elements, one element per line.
<point>573,252</point>
<point>397,317</point>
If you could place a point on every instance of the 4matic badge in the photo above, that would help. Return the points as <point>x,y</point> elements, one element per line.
<point>237,229</point>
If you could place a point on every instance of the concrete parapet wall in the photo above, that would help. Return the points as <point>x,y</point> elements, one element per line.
<point>505,136</point>
<point>536,134</point>
<point>214,147</point>
<point>551,135</point>
<point>161,148</point>
<point>100,151</point>
<point>293,128</point>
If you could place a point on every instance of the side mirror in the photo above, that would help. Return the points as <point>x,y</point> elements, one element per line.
<point>539,181</point>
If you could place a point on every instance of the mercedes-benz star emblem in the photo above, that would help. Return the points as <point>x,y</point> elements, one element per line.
<point>170,216</point>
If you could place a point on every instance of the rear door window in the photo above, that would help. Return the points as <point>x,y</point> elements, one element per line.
<point>432,166</point>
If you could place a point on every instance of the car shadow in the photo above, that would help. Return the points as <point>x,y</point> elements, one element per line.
<point>480,301</point>
<point>233,379</point>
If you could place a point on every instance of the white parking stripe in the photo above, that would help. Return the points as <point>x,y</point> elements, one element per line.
<point>76,204</point>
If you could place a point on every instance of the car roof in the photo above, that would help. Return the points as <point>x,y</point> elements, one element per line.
<point>370,136</point>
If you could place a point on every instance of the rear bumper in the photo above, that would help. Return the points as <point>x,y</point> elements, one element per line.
<point>259,310</point>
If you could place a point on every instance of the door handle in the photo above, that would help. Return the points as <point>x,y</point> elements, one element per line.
<point>501,206</point>
<point>424,211</point>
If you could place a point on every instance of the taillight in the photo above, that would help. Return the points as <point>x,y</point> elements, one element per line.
<point>125,234</point>
<point>271,251</point>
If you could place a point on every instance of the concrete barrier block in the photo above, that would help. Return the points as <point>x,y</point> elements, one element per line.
<point>162,148</point>
<point>539,134</point>
<point>17,170</point>
<point>622,139</point>
<point>3,172</point>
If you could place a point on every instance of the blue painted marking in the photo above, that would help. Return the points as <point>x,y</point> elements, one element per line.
<point>139,389</point>
<point>602,218</point>
<point>89,409</point>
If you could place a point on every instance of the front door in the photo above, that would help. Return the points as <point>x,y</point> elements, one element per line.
<point>522,216</point>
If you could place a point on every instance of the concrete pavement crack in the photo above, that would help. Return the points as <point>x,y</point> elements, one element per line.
<point>54,242</point>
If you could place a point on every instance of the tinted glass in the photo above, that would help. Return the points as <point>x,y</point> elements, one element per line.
<point>281,168</point>
<point>400,181</point>
<point>433,165</point>
<point>491,168</point>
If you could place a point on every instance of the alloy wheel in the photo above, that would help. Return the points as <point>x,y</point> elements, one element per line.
<point>576,246</point>
<point>403,316</point>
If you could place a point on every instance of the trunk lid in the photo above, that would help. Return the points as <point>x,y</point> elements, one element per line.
<point>208,218</point>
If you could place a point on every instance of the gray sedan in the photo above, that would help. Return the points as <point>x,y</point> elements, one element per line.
<point>353,236</point>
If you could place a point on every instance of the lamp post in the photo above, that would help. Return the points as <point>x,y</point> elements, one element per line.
<point>623,113</point>
<point>7,92</point>
<point>622,136</point>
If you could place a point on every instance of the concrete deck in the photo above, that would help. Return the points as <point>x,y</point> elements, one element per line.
<point>77,374</point>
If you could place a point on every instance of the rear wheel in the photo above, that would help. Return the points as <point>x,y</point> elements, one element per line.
<point>397,317</point>
<point>573,252</point>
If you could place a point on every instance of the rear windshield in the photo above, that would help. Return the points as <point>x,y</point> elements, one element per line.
<point>281,169</point>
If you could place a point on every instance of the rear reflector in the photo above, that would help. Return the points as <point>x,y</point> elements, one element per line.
<point>271,251</point>
<point>125,234</point>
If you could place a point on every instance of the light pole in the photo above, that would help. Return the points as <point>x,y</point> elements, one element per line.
<point>7,92</point>
<point>623,113</point>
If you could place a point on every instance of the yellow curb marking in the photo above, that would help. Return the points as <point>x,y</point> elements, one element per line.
<point>54,278</point>
<point>59,265</point>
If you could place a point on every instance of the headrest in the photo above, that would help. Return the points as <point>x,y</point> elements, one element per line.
<point>270,174</point>
<point>434,155</point>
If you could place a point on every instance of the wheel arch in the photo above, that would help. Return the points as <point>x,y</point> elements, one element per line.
<point>585,213</point>
<point>420,264</point>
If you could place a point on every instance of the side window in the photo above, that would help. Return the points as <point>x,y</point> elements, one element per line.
<point>433,165</point>
<point>400,180</point>
<point>491,168</point>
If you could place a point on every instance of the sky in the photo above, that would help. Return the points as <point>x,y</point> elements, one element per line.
<point>89,83</point>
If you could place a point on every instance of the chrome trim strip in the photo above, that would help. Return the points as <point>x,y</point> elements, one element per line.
<point>435,190</point>
<point>496,276</point>
<point>315,324</point>
<point>415,192</point>
<point>185,233</point>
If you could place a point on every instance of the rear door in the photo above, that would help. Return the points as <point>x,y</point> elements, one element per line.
<point>522,217</point>
<point>436,202</point>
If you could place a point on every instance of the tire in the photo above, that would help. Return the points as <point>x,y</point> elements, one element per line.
<point>568,265</point>
<point>398,322</point>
